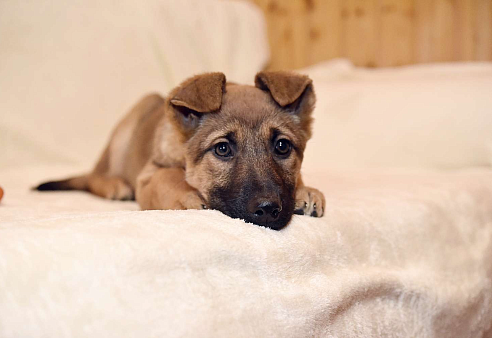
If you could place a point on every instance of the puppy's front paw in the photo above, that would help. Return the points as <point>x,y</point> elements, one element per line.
<point>117,189</point>
<point>192,200</point>
<point>309,201</point>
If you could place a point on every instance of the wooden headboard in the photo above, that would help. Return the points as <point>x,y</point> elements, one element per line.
<point>377,33</point>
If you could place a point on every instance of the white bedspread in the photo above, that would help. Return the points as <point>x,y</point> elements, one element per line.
<point>398,254</point>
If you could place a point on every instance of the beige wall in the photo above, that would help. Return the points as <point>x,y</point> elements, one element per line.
<point>376,33</point>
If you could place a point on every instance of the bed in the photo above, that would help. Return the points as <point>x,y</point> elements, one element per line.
<point>403,157</point>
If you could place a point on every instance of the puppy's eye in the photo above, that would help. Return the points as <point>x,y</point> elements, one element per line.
<point>283,147</point>
<point>223,149</point>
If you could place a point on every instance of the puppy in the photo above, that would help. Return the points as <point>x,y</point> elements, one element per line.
<point>211,144</point>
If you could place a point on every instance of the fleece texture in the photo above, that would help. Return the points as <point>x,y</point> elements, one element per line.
<point>397,254</point>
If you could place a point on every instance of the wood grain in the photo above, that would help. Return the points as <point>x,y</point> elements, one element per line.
<point>377,33</point>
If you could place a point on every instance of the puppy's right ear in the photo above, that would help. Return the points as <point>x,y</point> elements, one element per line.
<point>292,92</point>
<point>196,96</point>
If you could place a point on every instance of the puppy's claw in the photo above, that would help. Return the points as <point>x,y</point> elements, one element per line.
<point>299,211</point>
<point>309,201</point>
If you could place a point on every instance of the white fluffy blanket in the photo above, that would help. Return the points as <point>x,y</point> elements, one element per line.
<point>398,254</point>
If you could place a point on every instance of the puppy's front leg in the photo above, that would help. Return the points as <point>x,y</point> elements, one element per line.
<point>309,201</point>
<point>166,188</point>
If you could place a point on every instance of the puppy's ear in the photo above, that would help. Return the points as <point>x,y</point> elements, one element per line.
<point>293,92</point>
<point>290,90</point>
<point>201,93</point>
<point>198,95</point>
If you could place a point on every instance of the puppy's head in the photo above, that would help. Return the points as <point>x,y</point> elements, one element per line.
<point>245,144</point>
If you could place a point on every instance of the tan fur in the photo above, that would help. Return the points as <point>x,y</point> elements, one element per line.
<point>159,154</point>
<point>200,93</point>
<point>285,87</point>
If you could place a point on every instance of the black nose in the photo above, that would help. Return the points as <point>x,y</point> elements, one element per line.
<point>265,211</point>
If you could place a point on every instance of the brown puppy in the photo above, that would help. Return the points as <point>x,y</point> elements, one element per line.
<point>212,144</point>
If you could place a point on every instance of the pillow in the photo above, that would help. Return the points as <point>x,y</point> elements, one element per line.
<point>423,116</point>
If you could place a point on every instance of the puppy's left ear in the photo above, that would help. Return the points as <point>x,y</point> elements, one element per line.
<point>291,91</point>
<point>195,97</point>
<point>201,93</point>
